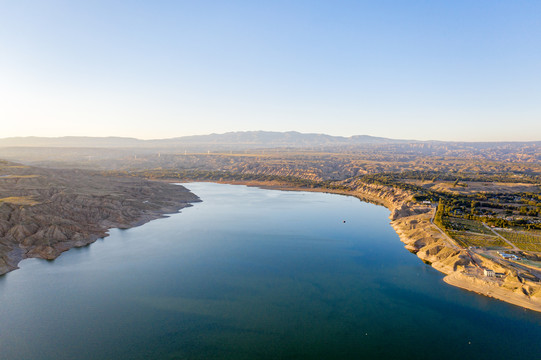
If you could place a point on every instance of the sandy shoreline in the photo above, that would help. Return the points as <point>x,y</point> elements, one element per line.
<point>473,284</point>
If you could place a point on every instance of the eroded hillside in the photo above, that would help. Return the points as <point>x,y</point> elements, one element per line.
<point>44,212</point>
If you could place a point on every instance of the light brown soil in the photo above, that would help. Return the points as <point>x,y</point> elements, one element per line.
<point>42,216</point>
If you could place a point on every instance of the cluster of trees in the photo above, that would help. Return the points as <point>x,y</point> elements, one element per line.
<point>457,208</point>
<point>504,223</point>
<point>439,217</point>
<point>471,206</point>
<point>457,176</point>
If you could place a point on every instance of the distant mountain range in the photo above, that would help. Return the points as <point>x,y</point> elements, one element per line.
<point>241,138</point>
<point>117,152</point>
<point>238,140</point>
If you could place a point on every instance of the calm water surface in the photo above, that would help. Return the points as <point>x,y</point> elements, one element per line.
<point>254,274</point>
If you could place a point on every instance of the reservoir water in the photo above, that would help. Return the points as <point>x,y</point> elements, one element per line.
<point>254,274</point>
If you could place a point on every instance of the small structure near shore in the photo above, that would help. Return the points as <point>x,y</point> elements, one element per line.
<point>508,256</point>
<point>489,272</point>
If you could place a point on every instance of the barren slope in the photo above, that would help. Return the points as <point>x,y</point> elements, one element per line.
<point>44,212</point>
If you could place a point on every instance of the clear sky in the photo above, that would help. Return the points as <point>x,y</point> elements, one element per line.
<point>447,70</point>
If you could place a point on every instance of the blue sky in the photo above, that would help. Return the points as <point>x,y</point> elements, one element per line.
<point>446,70</point>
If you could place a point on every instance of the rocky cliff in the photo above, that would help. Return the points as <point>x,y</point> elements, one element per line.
<point>44,212</point>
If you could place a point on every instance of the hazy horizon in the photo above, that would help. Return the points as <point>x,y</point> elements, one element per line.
<point>257,131</point>
<point>448,71</point>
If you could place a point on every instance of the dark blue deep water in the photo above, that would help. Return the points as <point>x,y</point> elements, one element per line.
<point>254,274</point>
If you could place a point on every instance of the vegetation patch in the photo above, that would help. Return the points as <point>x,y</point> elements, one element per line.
<point>524,240</point>
<point>19,200</point>
<point>18,176</point>
<point>467,239</point>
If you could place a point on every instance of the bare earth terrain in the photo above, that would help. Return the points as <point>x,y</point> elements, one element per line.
<point>44,212</point>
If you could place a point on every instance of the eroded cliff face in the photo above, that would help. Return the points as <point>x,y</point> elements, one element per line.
<point>44,212</point>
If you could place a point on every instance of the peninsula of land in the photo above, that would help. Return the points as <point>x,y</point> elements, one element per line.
<point>44,212</point>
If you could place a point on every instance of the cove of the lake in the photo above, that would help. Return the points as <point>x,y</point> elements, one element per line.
<point>254,274</point>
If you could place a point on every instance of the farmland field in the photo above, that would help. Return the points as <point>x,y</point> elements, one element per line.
<point>528,241</point>
<point>466,239</point>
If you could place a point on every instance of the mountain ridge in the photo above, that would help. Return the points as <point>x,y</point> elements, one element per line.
<point>239,138</point>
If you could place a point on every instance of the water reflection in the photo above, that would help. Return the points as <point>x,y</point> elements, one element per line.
<point>251,273</point>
